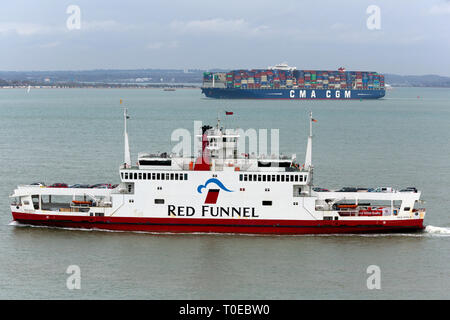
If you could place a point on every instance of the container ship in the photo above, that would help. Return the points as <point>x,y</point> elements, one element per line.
<point>284,82</point>
<point>219,190</point>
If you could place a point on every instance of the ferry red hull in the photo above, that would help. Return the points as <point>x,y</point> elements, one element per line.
<point>243,226</point>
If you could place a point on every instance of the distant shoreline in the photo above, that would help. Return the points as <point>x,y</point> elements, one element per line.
<point>162,78</point>
<point>35,87</point>
<point>193,87</point>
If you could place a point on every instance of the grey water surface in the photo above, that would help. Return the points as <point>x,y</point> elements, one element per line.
<point>76,136</point>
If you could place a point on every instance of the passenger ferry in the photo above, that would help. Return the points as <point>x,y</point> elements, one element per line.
<point>219,191</point>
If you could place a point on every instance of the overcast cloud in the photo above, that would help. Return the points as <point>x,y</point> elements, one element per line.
<point>414,37</point>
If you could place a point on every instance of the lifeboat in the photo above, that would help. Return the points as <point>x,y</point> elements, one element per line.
<point>347,206</point>
<point>81,202</point>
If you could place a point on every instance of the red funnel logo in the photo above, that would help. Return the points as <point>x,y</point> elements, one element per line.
<point>213,194</point>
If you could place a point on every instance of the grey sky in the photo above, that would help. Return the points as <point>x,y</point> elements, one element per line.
<point>414,37</point>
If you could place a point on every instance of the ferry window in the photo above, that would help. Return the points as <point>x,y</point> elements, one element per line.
<point>264,177</point>
<point>241,177</point>
<point>140,176</point>
<point>407,208</point>
<point>126,175</point>
<point>144,176</point>
<point>250,177</point>
<point>282,178</point>
<point>292,178</point>
<point>181,176</point>
<point>121,174</point>
<point>296,178</point>
<point>259,177</point>
<point>135,176</point>
<point>163,176</point>
<point>159,201</point>
<point>35,199</point>
<point>273,178</point>
<point>268,177</point>
<point>185,176</point>
<point>245,177</point>
<point>153,176</point>
<point>278,177</point>
<point>266,203</point>
<point>158,176</point>
<point>255,177</point>
<point>167,176</point>
<point>172,176</point>
<point>176,176</point>
<point>301,178</point>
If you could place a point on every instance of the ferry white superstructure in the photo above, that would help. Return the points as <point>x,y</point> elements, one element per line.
<point>219,191</point>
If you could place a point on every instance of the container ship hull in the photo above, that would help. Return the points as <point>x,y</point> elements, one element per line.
<point>292,94</point>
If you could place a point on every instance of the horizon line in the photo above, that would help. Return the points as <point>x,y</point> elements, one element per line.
<point>200,69</point>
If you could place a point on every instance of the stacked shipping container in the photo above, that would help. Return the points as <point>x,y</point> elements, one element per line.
<point>296,79</point>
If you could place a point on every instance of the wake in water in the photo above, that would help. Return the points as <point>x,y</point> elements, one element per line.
<point>437,230</point>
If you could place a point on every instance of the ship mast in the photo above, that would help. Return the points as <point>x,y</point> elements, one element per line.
<point>127,157</point>
<point>308,157</point>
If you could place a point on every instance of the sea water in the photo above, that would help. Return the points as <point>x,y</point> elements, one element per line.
<point>76,136</point>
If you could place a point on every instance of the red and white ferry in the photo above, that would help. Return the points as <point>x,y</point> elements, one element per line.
<point>220,192</point>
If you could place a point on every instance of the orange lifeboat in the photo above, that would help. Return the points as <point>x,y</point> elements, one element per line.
<point>350,206</point>
<point>81,202</point>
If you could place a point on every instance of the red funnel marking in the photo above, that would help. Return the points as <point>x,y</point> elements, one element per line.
<point>202,162</point>
<point>211,197</point>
